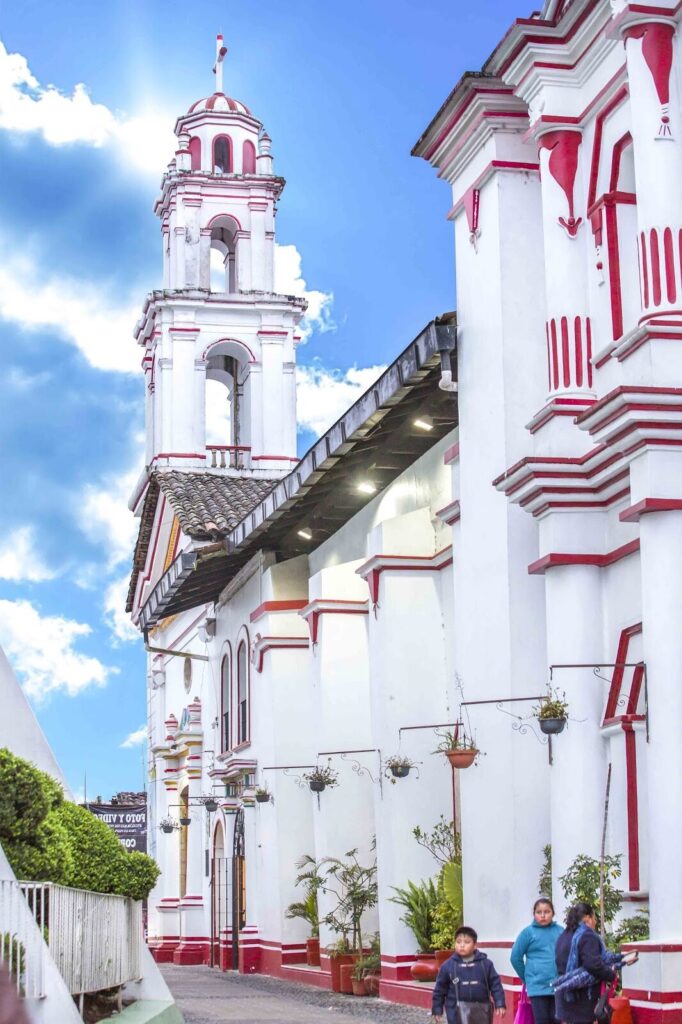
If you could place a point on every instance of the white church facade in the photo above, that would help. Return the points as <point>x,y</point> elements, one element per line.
<point>435,555</point>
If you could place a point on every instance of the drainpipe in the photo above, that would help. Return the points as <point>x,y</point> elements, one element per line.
<point>446,341</point>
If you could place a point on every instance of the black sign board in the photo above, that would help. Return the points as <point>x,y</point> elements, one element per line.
<point>129,823</point>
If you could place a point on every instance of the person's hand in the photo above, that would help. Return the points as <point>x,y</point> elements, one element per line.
<point>438,1019</point>
<point>500,1011</point>
<point>631,958</point>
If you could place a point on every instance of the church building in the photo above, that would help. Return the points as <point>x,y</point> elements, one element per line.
<point>492,524</point>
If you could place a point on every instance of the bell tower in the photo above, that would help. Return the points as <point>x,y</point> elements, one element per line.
<point>217,328</point>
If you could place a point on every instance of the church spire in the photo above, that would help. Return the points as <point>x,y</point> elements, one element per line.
<point>220,54</point>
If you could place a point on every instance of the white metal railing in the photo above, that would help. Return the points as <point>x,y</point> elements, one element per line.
<point>22,949</point>
<point>94,939</point>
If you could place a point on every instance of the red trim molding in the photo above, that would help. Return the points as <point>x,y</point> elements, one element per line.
<point>451,454</point>
<point>328,606</point>
<point>372,569</point>
<point>553,559</point>
<point>270,607</point>
<point>263,644</point>
<point>647,505</point>
<point>450,514</point>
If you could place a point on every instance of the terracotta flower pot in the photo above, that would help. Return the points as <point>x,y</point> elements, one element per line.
<point>372,984</point>
<point>346,978</point>
<point>461,758</point>
<point>622,1014</point>
<point>335,963</point>
<point>425,969</point>
<point>359,986</point>
<point>441,955</point>
<point>312,952</point>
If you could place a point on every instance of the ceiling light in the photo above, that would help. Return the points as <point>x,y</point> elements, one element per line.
<point>367,487</point>
<point>305,533</point>
<point>424,423</point>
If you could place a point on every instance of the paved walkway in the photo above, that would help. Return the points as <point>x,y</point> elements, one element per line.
<point>206,996</point>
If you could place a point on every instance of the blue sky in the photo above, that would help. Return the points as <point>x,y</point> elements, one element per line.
<point>86,104</point>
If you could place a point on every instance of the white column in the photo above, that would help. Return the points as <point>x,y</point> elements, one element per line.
<point>258,210</point>
<point>578,775</point>
<point>243,261</point>
<point>661,555</point>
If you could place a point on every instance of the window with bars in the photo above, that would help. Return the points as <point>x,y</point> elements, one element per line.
<point>242,694</point>
<point>226,693</point>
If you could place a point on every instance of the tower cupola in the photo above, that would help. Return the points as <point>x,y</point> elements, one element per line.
<point>218,321</point>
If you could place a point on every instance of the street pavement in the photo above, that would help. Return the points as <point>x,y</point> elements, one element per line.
<point>206,996</point>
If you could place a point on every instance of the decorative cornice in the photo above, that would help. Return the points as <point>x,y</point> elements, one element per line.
<point>558,407</point>
<point>540,485</point>
<point>273,607</point>
<point>648,505</point>
<point>630,418</point>
<point>263,644</point>
<point>450,514</point>
<point>329,606</point>
<point>372,569</point>
<point>554,559</point>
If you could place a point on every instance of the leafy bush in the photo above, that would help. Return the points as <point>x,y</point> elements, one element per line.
<point>449,909</point>
<point>443,842</point>
<point>581,883</point>
<point>27,796</point>
<point>420,903</point>
<point>631,929</point>
<point>47,839</point>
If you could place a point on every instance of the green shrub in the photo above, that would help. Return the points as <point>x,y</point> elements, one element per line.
<point>140,875</point>
<point>447,916</point>
<point>27,796</point>
<point>581,884</point>
<point>47,839</point>
<point>47,858</point>
<point>100,862</point>
<point>420,902</point>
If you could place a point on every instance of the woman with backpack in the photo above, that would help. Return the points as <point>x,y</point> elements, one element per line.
<point>580,949</point>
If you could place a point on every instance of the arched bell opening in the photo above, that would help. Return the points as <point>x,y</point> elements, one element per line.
<point>223,270</point>
<point>227,370</point>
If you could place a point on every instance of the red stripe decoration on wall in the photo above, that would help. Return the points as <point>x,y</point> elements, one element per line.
<point>645,272</point>
<point>669,256</point>
<point>655,268</point>
<point>569,351</point>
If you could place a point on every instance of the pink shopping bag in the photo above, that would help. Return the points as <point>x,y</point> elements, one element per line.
<point>524,1011</point>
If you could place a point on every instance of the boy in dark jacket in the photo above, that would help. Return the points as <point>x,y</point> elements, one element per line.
<point>467,977</point>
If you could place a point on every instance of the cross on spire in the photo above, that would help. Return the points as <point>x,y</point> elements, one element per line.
<point>220,54</point>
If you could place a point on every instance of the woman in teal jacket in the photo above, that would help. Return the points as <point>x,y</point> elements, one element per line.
<point>532,958</point>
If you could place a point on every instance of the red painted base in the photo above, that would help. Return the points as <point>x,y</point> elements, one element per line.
<point>306,976</point>
<point>249,959</point>
<point>408,993</point>
<point>162,948</point>
<point>190,955</point>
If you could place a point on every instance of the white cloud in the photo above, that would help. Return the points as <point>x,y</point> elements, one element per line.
<point>105,518</point>
<point>288,281</point>
<point>137,738</point>
<point>19,560</point>
<point>145,141</point>
<point>76,310</point>
<point>115,614</point>
<point>323,395</point>
<point>42,650</point>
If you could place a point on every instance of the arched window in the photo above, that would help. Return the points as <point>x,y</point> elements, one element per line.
<point>226,698</point>
<point>195,152</point>
<point>242,694</point>
<point>222,154</point>
<point>249,158</point>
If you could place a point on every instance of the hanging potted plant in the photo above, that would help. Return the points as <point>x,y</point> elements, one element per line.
<point>262,795</point>
<point>460,750</point>
<point>210,803</point>
<point>321,777</point>
<point>396,767</point>
<point>552,713</point>
<point>185,821</point>
<point>168,825</point>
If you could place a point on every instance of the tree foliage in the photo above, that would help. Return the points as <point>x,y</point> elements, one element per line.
<point>545,879</point>
<point>581,884</point>
<point>48,839</point>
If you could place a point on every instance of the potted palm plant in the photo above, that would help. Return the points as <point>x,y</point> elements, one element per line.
<point>356,891</point>
<point>419,903</point>
<point>321,777</point>
<point>460,750</point>
<point>306,909</point>
<point>552,713</point>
